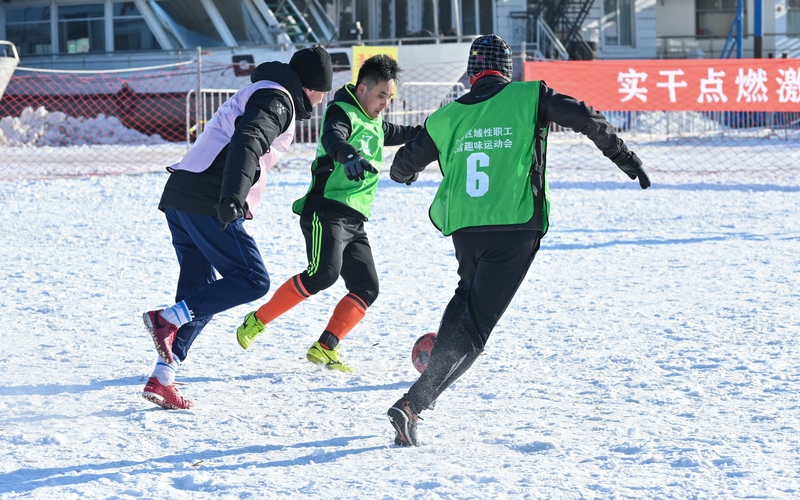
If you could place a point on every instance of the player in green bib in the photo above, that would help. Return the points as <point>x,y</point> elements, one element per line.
<point>493,200</point>
<point>344,179</point>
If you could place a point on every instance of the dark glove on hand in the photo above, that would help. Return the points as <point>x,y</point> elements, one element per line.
<point>228,211</point>
<point>354,168</point>
<point>403,180</point>
<point>633,167</point>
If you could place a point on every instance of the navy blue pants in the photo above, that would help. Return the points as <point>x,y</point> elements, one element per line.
<point>203,248</point>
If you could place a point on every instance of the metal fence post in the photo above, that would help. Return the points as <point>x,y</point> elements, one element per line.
<point>199,93</point>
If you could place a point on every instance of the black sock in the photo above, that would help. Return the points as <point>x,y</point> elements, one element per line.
<point>328,340</point>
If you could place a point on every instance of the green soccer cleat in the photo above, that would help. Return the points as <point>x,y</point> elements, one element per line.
<point>247,332</point>
<point>328,357</point>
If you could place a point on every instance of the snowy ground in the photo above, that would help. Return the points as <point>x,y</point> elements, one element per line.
<point>651,353</point>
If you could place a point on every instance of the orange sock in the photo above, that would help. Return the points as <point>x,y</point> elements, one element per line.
<point>286,297</point>
<point>348,312</point>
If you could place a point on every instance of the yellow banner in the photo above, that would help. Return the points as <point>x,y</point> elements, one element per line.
<point>361,54</point>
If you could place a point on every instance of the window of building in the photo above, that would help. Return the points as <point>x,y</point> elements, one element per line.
<point>793,18</point>
<point>239,21</point>
<point>437,15</point>
<point>130,30</point>
<point>401,18</point>
<point>469,17</point>
<point>486,16</point>
<point>446,20</point>
<point>429,19</point>
<point>477,17</point>
<point>363,16</point>
<point>387,18</point>
<point>81,29</point>
<point>29,29</point>
<point>187,23</point>
<point>618,23</point>
<point>715,17</point>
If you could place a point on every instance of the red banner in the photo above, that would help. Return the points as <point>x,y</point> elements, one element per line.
<point>676,85</point>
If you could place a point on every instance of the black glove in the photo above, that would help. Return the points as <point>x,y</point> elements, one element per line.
<point>633,167</point>
<point>228,211</point>
<point>355,166</point>
<point>403,179</point>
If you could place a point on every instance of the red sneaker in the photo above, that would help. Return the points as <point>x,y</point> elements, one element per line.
<point>162,331</point>
<point>165,396</point>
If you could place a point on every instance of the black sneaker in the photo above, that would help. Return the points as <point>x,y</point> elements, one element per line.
<point>404,421</point>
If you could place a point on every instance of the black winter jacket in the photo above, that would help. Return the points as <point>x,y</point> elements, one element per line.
<point>560,109</point>
<point>234,171</point>
<point>336,131</point>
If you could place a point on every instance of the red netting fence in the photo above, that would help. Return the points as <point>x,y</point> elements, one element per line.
<point>80,123</point>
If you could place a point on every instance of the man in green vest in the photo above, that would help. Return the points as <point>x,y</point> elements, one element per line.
<point>344,179</point>
<point>490,145</point>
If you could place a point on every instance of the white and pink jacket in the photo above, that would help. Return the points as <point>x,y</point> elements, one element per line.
<point>218,132</point>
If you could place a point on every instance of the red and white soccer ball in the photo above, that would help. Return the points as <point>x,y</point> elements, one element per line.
<point>421,352</point>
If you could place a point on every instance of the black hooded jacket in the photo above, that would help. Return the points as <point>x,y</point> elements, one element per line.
<point>554,107</point>
<point>235,169</point>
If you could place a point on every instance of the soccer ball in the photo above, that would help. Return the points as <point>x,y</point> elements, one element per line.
<point>421,352</point>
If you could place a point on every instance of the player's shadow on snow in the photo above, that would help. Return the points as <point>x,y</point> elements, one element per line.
<point>674,241</point>
<point>315,457</point>
<point>385,387</point>
<point>30,479</point>
<point>52,389</point>
<point>670,241</point>
<point>695,186</point>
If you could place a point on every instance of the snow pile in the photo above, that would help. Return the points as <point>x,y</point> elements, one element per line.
<point>42,128</point>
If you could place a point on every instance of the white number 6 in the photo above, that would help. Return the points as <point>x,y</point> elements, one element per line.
<point>477,181</point>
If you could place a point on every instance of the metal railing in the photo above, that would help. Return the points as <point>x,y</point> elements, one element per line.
<point>412,105</point>
<point>676,125</point>
<point>710,47</point>
<point>543,43</point>
<point>204,108</point>
<point>415,101</point>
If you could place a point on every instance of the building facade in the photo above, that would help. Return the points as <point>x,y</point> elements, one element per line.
<point>550,29</point>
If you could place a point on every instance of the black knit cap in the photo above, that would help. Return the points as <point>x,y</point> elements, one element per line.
<point>490,52</point>
<point>313,65</point>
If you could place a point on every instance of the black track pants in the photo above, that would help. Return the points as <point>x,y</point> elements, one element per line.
<point>491,267</point>
<point>337,244</point>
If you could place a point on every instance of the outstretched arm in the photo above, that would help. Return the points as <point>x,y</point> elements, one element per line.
<point>412,158</point>
<point>395,135</point>
<point>567,111</point>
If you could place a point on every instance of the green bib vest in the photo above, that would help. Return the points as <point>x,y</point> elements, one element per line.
<point>485,152</point>
<point>367,138</point>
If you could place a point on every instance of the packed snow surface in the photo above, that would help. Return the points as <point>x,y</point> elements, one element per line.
<point>652,351</point>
